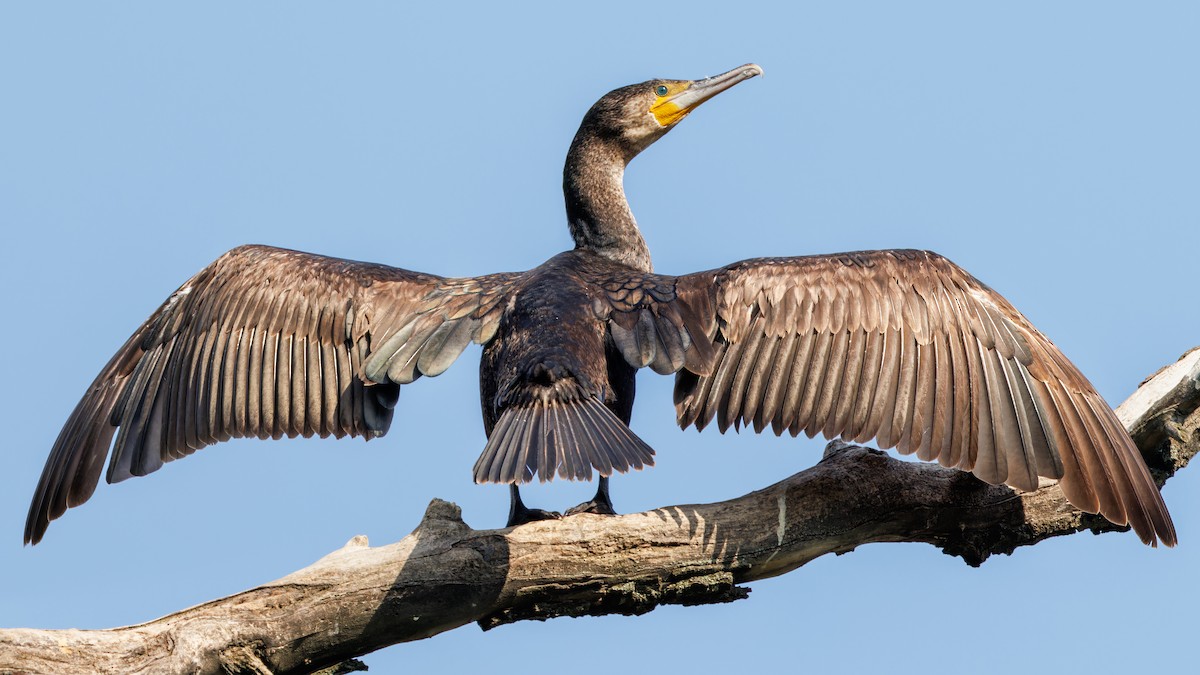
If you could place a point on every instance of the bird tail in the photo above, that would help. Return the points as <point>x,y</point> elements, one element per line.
<point>570,438</point>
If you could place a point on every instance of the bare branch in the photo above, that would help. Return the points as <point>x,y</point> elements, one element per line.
<point>445,574</point>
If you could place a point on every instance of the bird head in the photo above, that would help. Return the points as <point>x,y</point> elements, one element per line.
<point>639,114</point>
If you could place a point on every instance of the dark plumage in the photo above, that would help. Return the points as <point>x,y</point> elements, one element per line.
<point>902,347</point>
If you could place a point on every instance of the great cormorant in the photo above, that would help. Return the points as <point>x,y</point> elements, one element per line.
<point>902,347</point>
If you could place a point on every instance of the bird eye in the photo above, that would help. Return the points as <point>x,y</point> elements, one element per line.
<point>661,90</point>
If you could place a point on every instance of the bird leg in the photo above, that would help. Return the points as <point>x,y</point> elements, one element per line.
<point>519,514</point>
<point>600,504</point>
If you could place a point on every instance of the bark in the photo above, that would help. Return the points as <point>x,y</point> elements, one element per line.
<point>445,574</point>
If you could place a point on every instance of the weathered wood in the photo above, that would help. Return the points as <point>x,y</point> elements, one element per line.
<point>445,574</point>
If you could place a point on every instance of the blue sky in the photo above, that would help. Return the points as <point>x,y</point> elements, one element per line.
<point>1052,150</point>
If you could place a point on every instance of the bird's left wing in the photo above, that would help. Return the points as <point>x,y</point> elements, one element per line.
<point>264,342</point>
<point>903,347</point>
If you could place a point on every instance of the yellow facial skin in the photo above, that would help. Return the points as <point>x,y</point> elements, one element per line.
<point>674,99</point>
<point>665,110</point>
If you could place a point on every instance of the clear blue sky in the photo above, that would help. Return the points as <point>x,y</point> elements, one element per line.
<point>1052,149</point>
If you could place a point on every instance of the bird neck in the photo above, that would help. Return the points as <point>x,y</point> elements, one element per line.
<point>597,211</point>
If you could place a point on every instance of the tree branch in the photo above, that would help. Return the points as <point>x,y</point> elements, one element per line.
<point>445,574</point>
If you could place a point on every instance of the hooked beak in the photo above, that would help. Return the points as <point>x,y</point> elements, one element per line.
<point>669,111</point>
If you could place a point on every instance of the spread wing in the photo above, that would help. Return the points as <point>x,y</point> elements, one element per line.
<point>265,343</point>
<point>906,348</point>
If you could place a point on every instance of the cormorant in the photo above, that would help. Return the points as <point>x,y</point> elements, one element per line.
<point>900,346</point>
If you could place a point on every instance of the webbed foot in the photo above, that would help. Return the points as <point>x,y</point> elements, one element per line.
<point>523,515</point>
<point>601,504</point>
<point>593,506</point>
<point>519,514</point>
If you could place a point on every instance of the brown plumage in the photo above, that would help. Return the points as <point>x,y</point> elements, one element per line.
<point>902,347</point>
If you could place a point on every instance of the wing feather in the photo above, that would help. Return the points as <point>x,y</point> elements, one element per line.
<point>725,373</point>
<point>731,405</point>
<point>920,435</point>
<point>982,459</point>
<point>831,383</point>
<point>963,430</point>
<point>1006,436</point>
<point>795,385</point>
<point>941,431</point>
<point>902,415</point>
<point>865,398</point>
<point>240,400</point>
<point>777,385</point>
<point>879,424</point>
<point>817,365</point>
<point>848,391</point>
<point>764,366</point>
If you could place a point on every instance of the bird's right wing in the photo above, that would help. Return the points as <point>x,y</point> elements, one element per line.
<point>266,343</point>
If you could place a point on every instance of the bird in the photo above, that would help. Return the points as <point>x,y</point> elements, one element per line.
<point>902,347</point>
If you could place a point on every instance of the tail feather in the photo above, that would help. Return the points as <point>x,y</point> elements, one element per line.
<point>490,466</point>
<point>568,438</point>
<point>604,445</point>
<point>573,447</point>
